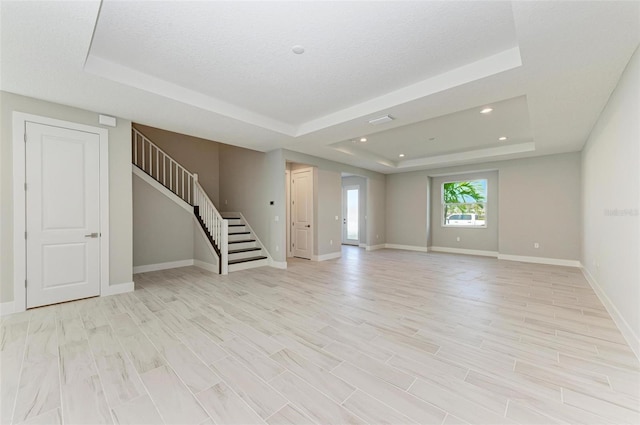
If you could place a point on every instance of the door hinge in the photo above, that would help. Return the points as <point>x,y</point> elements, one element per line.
<point>25,283</point>
<point>25,186</point>
<point>25,137</point>
<point>25,235</point>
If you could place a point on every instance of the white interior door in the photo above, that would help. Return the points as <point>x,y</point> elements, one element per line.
<point>351,215</point>
<point>62,214</point>
<point>302,213</point>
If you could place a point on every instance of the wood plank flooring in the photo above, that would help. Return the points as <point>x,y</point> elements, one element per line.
<point>389,337</point>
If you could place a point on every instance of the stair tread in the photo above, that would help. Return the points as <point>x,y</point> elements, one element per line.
<point>239,233</point>
<point>236,251</point>
<point>237,225</point>
<point>242,241</point>
<point>244,260</point>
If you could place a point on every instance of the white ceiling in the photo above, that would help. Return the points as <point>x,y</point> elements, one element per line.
<point>225,71</point>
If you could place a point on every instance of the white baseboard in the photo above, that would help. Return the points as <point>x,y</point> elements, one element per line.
<point>248,265</point>
<point>540,260</point>
<point>206,266</point>
<point>119,288</point>
<point>464,251</point>
<point>278,264</point>
<point>162,266</point>
<point>325,257</point>
<point>7,308</point>
<point>406,247</point>
<point>374,247</point>
<point>362,245</point>
<point>632,339</point>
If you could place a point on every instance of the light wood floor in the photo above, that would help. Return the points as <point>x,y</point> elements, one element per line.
<point>388,337</point>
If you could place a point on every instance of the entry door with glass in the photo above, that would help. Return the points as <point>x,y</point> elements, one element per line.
<point>351,215</point>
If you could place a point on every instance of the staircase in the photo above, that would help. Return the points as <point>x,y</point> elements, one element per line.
<point>231,237</point>
<point>243,249</point>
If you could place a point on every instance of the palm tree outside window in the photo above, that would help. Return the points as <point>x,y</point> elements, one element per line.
<point>464,203</point>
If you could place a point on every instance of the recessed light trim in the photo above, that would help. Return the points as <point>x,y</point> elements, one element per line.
<point>363,139</point>
<point>502,138</point>
<point>297,49</point>
<point>401,155</point>
<point>486,110</point>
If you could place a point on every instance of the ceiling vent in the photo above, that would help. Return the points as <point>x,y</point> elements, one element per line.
<point>381,120</point>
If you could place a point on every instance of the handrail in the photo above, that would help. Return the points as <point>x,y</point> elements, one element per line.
<point>160,166</point>
<point>217,226</point>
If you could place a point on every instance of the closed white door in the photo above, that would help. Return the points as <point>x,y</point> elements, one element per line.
<point>302,213</point>
<point>350,215</point>
<point>62,214</point>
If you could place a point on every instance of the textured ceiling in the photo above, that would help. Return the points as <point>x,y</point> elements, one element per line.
<point>225,71</point>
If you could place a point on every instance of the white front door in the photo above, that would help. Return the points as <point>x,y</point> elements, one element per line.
<point>62,214</point>
<point>351,215</point>
<point>302,213</point>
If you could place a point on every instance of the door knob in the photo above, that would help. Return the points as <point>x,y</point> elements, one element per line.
<point>92,235</point>
<point>308,225</point>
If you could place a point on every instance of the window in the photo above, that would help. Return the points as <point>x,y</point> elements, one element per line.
<point>464,203</point>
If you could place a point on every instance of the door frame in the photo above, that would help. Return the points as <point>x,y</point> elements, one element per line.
<point>346,241</point>
<point>20,120</point>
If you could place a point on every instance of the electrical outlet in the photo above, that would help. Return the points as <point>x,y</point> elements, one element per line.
<point>458,239</point>
<point>337,218</point>
<point>225,202</point>
<point>277,248</point>
<point>276,219</point>
<point>376,236</point>
<point>331,242</point>
<point>536,245</point>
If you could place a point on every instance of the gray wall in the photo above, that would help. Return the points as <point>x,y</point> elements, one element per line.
<point>611,181</point>
<point>162,230</point>
<point>361,182</point>
<point>249,180</point>
<point>196,155</point>
<point>483,239</point>
<point>120,216</point>
<point>376,198</point>
<point>406,219</point>
<point>328,204</point>
<point>538,202</point>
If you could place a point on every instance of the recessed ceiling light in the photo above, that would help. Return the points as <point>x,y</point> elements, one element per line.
<point>486,110</point>
<point>503,138</point>
<point>431,139</point>
<point>364,139</point>
<point>297,49</point>
<point>401,155</point>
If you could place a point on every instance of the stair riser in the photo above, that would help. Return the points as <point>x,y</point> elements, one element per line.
<point>238,229</point>
<point>248,265</point>
<point>243,245</point>
<point>239,237</point>
<point>235,221</point>
<point>247,254</point>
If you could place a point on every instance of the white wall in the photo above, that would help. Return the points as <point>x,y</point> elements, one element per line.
<point>610,204</point>
<point>120,198</point>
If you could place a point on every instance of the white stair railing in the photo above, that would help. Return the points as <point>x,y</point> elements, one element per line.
<point>217,226</point>
<point>161,167</point>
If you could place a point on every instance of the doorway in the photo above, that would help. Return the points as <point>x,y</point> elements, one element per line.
<point>62,208</point>
<point>351,215</point>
